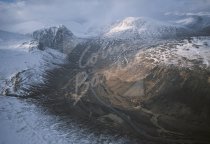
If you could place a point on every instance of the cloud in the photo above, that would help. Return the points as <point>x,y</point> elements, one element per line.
<point>80,15</point>
<point>187,14</point>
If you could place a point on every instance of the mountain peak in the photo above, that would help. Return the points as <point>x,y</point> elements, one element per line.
<point>141,28</point>
<point>53,37</point>
<point>52,31</point>
<point>126,24</point>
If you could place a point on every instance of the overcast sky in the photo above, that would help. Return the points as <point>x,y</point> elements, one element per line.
<point>25,16</point>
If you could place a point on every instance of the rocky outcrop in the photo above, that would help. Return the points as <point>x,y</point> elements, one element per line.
<point>59,38</point>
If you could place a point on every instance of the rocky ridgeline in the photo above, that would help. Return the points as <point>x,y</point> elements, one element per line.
<point>59,38</point>
<point>134,28</point>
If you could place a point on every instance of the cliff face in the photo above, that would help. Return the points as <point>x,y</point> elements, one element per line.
<point>59,38</point>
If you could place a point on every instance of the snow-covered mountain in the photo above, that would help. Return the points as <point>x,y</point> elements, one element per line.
<point>147,28</point>
<point>144,28</point>
<point>59,38</point>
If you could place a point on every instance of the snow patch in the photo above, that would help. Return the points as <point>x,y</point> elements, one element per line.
<point>186,53</point>
<point>23,64</point>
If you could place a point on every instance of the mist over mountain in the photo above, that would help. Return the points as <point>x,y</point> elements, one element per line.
<point>4,35</point>
<point>81,16</point>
